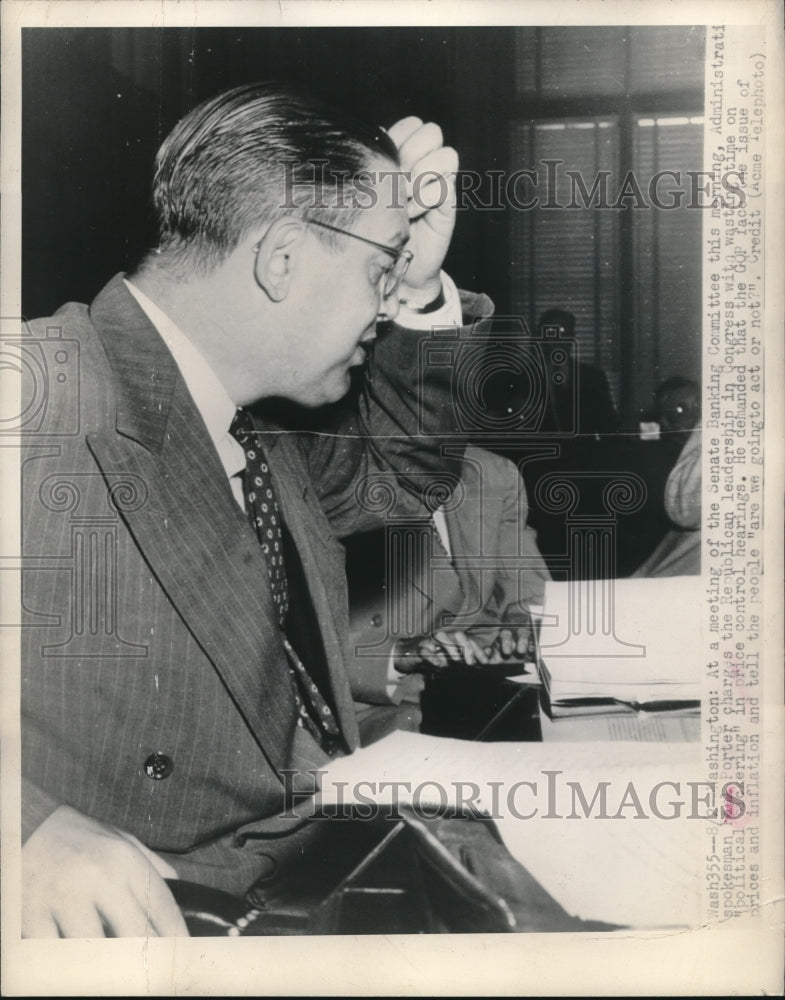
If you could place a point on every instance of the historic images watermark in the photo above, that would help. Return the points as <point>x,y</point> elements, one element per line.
<point>313,186</point>
<point>548,794</point>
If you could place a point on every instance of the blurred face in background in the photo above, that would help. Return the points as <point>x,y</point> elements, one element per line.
<point>678,409</point>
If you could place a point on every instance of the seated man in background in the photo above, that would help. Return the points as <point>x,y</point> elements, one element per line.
<point>424,596</point>
<point>677,410</point>
<point>579,398</point>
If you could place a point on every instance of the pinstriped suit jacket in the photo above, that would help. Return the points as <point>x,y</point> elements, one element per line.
<point>149,620</point>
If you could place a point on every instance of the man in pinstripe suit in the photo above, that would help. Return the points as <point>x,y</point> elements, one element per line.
<point>158,713</point>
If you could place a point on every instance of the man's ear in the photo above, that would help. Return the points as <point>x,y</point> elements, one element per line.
<point>276,256</point>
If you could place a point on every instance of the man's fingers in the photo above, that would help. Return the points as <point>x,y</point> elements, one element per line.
<point>401,130</point>
<point>465,646</point>
<point>457,645</point>
<point>493,654</point>
<point>160,907</point>
<point>506,641</point>
<point>38,923</point>
<point>438,660</point>
<point>432,188</point>
<point>421,141</point>
<point>129,919</point>
<point>476,650</point>
<point>149,909</point>
<point>453,649</point>
<point>79,921</point>
<point>431,178</point>
<point>442,162</point>
<point>432,653</point>
<point>164,869</point>
<point>429,169</point>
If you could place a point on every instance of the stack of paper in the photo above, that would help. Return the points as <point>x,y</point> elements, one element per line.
<point>617,646</point>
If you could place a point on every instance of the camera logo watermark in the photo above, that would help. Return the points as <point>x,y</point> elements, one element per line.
<point>47,367</point>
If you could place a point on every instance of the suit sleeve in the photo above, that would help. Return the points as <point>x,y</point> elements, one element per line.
<point>370,647</point>
<point>516,535</point>
<point>384,445</point>
<point>371,682</point>
<point>536,573</point>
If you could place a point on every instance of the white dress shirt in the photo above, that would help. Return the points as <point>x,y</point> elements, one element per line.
<point>206,389</point>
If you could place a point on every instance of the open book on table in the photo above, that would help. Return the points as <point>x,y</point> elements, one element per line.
<point>615,646</point>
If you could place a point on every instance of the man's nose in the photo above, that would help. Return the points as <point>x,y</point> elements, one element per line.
<point>390,306</point>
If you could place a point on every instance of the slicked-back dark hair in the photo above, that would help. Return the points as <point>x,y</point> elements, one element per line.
<point>251,155</point>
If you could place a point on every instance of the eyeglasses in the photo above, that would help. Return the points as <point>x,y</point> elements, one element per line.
<point>395,274</point>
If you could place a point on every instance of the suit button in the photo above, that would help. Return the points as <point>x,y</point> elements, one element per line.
<point>376,621</point>
<point>158,766</point>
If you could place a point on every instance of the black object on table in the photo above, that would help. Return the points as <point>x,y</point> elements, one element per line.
<point>477,703</point>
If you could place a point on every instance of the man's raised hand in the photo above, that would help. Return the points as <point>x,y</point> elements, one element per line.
<point>430,167</point>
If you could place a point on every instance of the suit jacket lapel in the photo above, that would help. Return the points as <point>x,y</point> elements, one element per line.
<point>430,572</point>
<point>189,528</point>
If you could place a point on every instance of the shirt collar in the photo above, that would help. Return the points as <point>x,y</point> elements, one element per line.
<point>206,389</point>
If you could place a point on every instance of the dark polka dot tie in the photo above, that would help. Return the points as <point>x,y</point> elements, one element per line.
<point>262,509</point>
